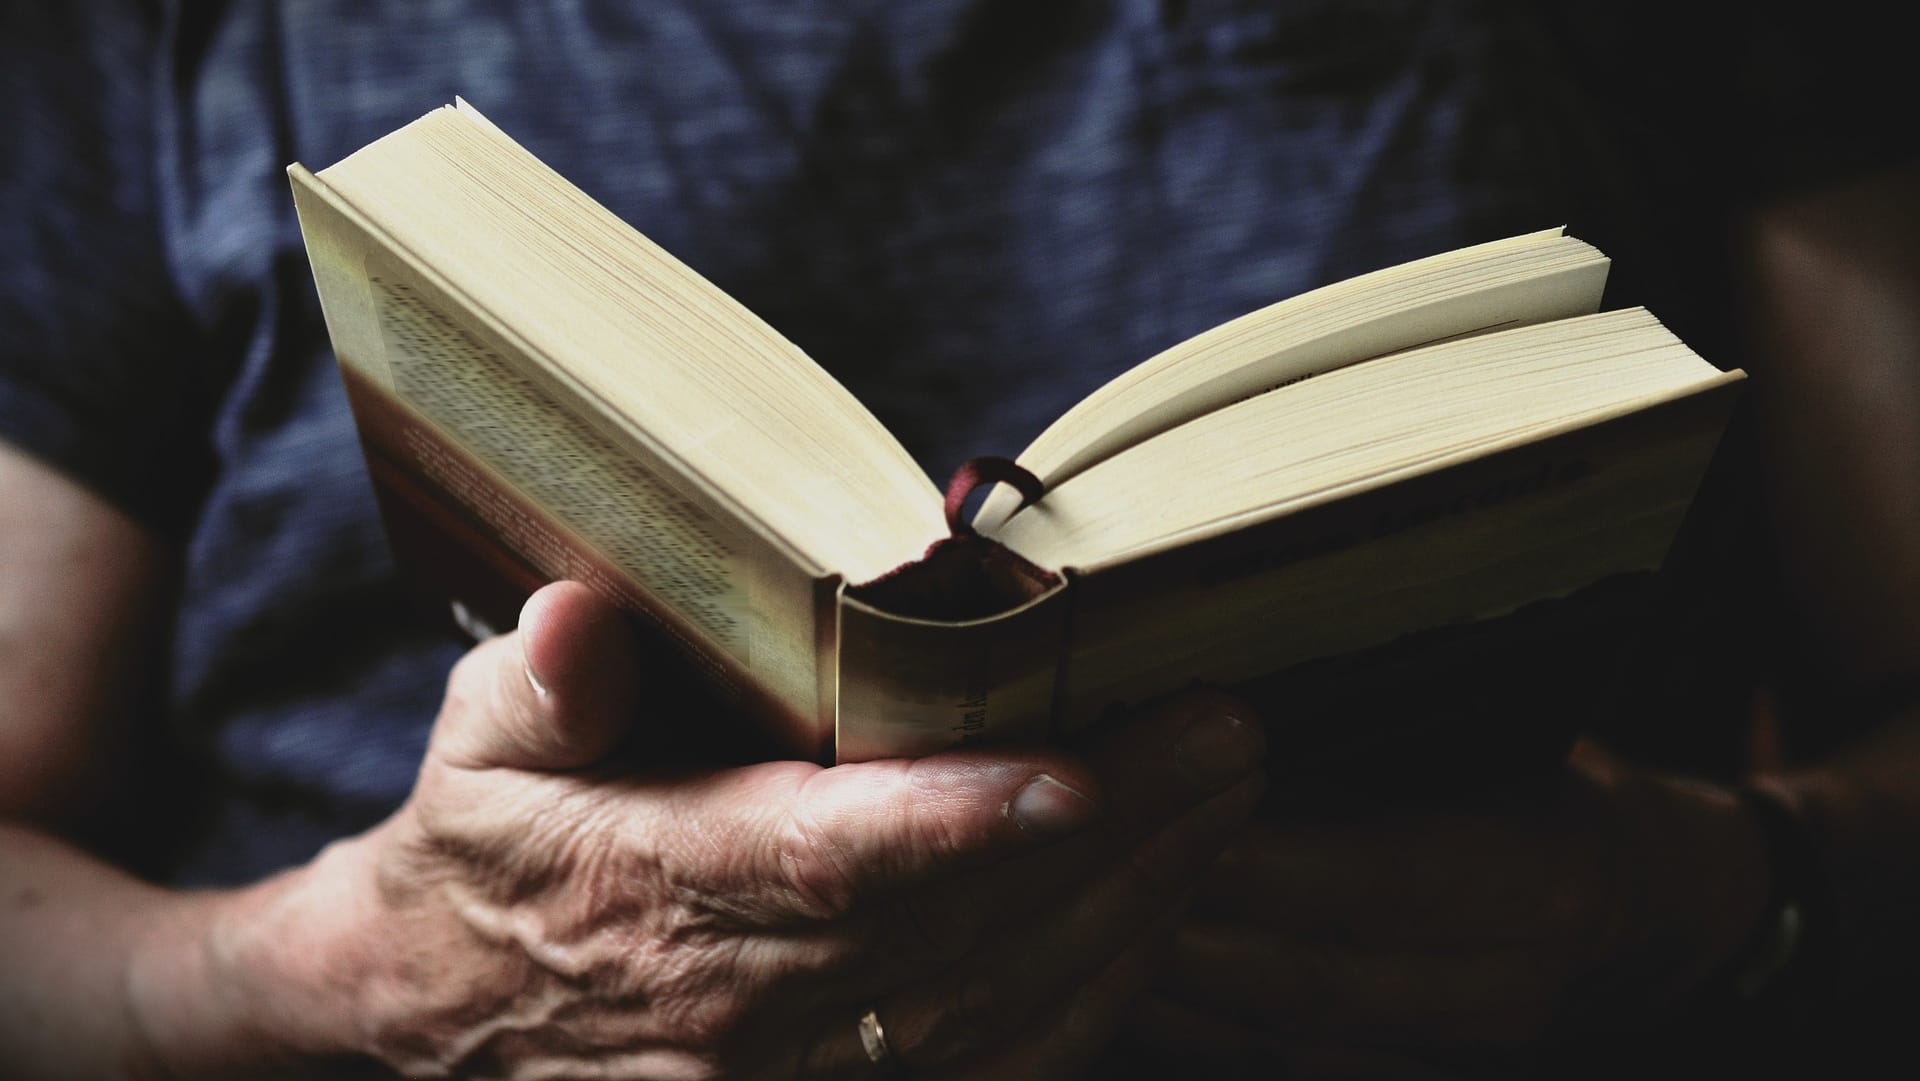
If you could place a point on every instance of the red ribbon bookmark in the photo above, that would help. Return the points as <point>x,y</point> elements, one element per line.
<point>990,469</point>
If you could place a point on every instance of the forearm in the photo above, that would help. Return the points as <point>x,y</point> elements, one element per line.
<point>1833,287</point>
<point>1832,283</point>
<point>101,974</point>
<point>108,976</point>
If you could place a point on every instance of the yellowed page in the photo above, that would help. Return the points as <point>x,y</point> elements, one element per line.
<point>1500,284</point>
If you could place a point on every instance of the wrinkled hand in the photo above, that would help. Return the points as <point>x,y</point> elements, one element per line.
<point>1462,940</point>
<point>537,910</point>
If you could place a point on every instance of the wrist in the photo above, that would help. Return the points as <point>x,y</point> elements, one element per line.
<point>1764,974</point>
<point>1709,880</point>
<point>248,982</point>
<point>1688,883</point>
<point>1849,989</point>
<point>1750,1013</point>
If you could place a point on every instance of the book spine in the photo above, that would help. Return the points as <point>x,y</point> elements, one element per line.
<point>912,686</point>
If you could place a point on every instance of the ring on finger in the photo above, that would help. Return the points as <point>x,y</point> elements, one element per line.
<point>873,1039</point>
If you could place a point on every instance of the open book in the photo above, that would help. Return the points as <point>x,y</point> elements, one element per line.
<point>542,392</point>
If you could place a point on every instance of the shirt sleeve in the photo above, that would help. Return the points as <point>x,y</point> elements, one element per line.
<point>99,358</point>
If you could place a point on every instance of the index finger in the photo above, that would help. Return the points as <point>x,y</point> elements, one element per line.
<point>786,840</point>
<point>813,843</point>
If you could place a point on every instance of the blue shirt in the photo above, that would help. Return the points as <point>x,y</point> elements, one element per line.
<point>971,212</point>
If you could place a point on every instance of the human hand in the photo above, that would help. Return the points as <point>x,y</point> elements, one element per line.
<point>538,909</point>
<point>1459,941</point>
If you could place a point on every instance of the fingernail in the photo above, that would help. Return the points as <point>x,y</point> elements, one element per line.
<point>526,665</point>
<point>1046,808</point>
<point>1219,747</point>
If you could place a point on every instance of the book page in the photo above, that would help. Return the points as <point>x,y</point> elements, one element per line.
<point>1493,286</point>
<point>1357,426</point>
<point>665,543</point>
<point>495,476</point>
<point>647,341</point>
<point>1472,540</point>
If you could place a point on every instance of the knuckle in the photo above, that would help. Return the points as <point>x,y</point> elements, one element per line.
<point>935,825</point>
<point>471,678</point>
<point>477,705</point>
<point>814,868</point>
<point>702,999</point>
<point>701,1022</point>
<point>905,826</point>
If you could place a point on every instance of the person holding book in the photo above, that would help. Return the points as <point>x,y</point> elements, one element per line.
<point>367,843</point>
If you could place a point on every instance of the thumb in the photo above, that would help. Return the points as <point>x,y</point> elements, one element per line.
<point>556,694</point>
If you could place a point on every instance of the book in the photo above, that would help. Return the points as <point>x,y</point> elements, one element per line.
<point>541,392</point>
